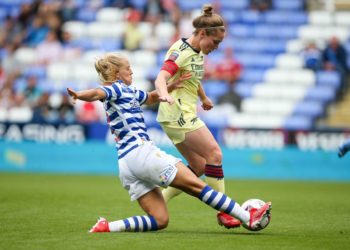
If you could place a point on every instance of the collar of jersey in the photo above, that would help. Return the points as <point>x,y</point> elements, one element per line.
<point>184,40</point>
<point>122,83</point>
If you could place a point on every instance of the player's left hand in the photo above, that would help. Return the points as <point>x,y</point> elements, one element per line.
<point>207,104</point>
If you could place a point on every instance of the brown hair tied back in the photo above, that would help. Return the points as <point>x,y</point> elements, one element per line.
<point>207,10</point>
<point>209,21</point>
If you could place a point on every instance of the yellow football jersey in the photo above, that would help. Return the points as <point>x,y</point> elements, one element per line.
<point>187,59</point>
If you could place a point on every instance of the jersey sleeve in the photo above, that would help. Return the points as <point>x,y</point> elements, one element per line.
<point>113,92</point>
<point>177,56</point>
<point>141,96</point>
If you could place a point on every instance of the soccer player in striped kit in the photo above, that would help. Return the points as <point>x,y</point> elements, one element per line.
<point>177,112</point>
<point>143,167</point>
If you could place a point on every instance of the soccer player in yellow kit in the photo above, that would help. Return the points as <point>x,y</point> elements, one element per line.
<point>177,112</point>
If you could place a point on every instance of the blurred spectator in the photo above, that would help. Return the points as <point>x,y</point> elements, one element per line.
<point>68,10</point>
<point>87,113</point>
<point>312,56</point>
<point>71,51</point>
<point>36,32</point>
<point>30,94</point>
<point>153,42</point>
<point>7,92</point>
<point>132,35</point>
<point>10,64</point>
<point>49,50</point>
<point>41,110</point>
<point>2,75</point>
<point>228,70</point>
<point>177,34</point>
<point>186,27</point>
<point>10,32</point>
<point>335,58</point>
<point>261,5</point>
<point>54,108</point>
<point>54,24</point>
<point>66,110</point>
<point>27,12</point>
<point>122,4</point>
<point>154,11</point>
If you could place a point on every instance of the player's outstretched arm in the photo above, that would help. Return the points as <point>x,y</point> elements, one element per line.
<point>344,148</point>
<point>88,95</point>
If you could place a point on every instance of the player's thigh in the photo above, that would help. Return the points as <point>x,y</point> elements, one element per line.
<point>201,142</point>
<point>196,162</point>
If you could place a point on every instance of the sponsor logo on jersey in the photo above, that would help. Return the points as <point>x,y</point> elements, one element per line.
<point>173,56</point>
<point>166,174</point>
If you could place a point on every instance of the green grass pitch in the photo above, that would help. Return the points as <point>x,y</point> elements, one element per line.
<point>55,212</point>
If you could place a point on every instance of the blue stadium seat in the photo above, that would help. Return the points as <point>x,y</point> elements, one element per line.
<point>216,56</point>
<point>86,15</point>
<point>161,57</point>
<point>347,47</point>
<point>3,14</point>
<point>84,44</point>
<point>288,4</point>
<point>276,31</point>
<point>324,94</point>
<point>37,71</point>
<point>256,60</point>
<point>328,78</point>
<point>287,31</point>
<point>107,44</point>
<point>241,30</point>
<point>298,122</point>
<point>245,90</point>
<point>186,5</point>
<point>234,4</point>
<point>286,17</point>
<point>139,4</point>
<point>230,16</point>
<point>215,89</point>
<point>251,17</point>
<point>259,45</point>
<point>252,75</point>
<point>153,72</point>
<point>313,109</point>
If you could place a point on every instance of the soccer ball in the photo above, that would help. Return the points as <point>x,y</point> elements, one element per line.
<point>255,203</point>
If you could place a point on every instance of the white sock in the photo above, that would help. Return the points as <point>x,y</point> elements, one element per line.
<point>240,213</point>
<point>116,226</point>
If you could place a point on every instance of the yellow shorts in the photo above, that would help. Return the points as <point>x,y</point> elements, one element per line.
<point>177,130</point>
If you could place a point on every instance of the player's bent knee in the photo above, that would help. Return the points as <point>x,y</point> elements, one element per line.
<point>162,222</point>
<point>215,156</point>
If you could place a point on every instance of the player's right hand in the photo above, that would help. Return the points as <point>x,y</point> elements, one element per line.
<point>73,95</point>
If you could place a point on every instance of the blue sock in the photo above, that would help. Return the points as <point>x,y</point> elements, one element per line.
<point>135,224</point>
<point>216,200</point>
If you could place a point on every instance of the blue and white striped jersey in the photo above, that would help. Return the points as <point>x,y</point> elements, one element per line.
<point>124,116</point>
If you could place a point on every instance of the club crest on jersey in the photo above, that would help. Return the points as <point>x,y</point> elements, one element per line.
<point>134,103</point>
<point>173,56</point>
